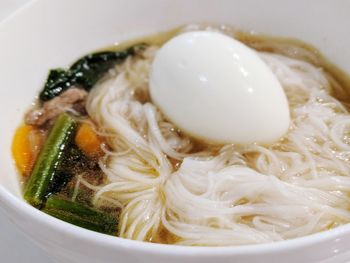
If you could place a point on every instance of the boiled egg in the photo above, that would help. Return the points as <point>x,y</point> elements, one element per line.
<point>217,89</point>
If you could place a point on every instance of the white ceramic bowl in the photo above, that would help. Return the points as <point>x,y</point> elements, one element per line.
<point>47,34</point>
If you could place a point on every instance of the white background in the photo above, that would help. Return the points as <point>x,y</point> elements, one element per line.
<point>14,246</point>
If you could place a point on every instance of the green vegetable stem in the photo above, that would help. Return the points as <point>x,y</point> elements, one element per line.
<point>45,170</point>
<point>81,215</point>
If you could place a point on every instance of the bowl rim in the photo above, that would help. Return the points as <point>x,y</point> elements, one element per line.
<point>26,211</point>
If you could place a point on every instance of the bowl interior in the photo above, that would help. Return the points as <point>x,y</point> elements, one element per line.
<point>48,34</point>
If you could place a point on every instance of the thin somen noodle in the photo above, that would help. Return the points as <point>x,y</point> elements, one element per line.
<point>171,189</point>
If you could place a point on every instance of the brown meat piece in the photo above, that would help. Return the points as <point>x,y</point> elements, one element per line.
<point>50,109</point>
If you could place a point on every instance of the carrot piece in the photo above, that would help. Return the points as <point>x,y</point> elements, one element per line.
<point>88,141</point>
<point>25,146</point>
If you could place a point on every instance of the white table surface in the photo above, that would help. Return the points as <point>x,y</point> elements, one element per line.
<point>14,246</point>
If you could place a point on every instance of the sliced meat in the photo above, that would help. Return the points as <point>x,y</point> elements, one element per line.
<point>50,109</point>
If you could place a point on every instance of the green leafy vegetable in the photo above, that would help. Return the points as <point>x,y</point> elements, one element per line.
<point>88,70</point>
<point>51,156</point>
<point>85,72</point>
<point>58,81</point>
<point>81,215</point>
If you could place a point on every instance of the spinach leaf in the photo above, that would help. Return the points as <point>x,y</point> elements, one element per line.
<point>85,72</point>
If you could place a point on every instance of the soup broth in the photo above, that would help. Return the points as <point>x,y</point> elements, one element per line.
<point>123,169</point>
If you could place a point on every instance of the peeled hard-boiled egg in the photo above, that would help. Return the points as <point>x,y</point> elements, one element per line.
<point>215,88</point>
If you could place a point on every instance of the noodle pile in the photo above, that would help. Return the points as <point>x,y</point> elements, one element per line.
<point>171,191</point>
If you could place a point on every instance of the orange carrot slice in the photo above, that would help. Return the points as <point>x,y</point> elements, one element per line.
<point>25,147</point>
<point>88,141</point>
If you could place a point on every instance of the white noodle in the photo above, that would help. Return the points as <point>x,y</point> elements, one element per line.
<point>237,195</point>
